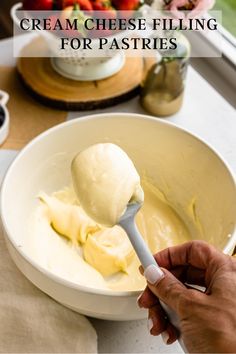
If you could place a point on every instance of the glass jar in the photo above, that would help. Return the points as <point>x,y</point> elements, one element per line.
<point>162,89</point>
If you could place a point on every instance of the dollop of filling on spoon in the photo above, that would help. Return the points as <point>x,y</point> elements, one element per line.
<point>105,180</point>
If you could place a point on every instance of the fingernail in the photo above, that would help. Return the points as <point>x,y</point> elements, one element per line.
<point>153,274</point>
<point>138,298</point>
<point>165,337</point>
<point>150,324</point>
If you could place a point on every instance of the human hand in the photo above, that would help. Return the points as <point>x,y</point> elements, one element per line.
<point>207,319</point>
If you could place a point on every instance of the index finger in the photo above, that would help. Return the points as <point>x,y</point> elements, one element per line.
<point>198,254</point>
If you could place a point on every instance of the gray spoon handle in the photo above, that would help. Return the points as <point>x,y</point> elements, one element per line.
<point>147,259</point>
<point>138,243</point>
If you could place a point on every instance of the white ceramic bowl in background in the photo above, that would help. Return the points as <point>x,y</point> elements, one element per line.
<point>193,177</point>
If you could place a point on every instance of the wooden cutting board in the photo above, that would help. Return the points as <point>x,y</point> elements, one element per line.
<point>28,118</point>
<point>55,90</point>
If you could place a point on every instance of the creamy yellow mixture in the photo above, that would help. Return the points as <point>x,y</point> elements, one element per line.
<point>105,180</point>
<point>69,236</point>
<point>71,257</point>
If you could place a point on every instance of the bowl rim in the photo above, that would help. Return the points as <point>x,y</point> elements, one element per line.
<point>98,116</point>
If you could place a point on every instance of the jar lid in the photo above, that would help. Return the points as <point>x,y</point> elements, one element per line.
<point>4,116</point>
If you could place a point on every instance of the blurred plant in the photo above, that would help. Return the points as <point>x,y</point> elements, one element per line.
<point>183,8</point>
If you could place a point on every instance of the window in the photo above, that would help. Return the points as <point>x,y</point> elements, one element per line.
<point>228,8</point>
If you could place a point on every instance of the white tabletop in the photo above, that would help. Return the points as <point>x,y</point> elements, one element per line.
<point>206,114</point>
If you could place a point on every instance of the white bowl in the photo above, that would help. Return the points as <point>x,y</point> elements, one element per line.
<point>73,64</point>
<point>194,178</point>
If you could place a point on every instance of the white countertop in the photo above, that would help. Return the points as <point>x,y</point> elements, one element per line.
<point>206,114</point>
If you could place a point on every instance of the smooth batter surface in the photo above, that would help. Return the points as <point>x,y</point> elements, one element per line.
<point>158,222</point>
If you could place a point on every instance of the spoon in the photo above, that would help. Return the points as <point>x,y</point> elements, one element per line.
<point>127,222</point>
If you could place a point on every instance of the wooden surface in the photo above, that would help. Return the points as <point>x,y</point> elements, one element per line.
<point>55,90</point>
<point>28,118</point>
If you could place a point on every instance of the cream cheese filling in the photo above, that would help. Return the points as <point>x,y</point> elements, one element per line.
<point>105,180</point>
<point>106,260</point>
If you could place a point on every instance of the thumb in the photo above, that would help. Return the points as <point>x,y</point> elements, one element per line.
<point>165,286</point>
